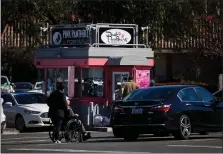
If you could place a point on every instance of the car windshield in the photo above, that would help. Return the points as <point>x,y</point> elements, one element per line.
<point>31,98</point>
<point>23,86</point>
<point>150,94</point>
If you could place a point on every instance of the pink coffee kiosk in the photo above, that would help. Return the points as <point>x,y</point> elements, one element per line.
<point>94,60</point>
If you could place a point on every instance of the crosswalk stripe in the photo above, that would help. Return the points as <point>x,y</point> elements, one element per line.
<point>5,142</point>
<point>76,151</point>
<point>22,138</point>
<point>196,146</point>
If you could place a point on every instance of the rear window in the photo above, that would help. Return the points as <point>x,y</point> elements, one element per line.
<point>219,96</point>
<point>150,94</point>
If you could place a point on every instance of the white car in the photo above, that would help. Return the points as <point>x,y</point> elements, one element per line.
<point>26,110</point>
<point>3,118</point>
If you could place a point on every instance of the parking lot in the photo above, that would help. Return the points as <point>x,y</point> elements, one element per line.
<point>104,142</point>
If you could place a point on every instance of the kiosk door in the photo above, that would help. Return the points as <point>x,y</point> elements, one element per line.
<point>118,78</point>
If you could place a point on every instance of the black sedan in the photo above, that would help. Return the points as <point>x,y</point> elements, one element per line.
<point>176,109</point>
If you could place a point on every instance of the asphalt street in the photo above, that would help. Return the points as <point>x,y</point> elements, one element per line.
<point>105,143</point>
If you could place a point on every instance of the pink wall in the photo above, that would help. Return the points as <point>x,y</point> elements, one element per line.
<point>71,81</point>
<point>143,78</point>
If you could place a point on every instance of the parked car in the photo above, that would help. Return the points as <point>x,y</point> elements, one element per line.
<point>23,86</point>
<point>6,86</point>
<point>25,110</point>
<point>3,118</point>
<point>176,109</point>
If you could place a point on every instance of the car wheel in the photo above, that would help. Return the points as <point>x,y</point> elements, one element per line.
<point>131,135</point>
<point>117,132</point>
<point>20,124</point>
<point>184,131</point>
<point>161,134</point>
<point>203,133</point>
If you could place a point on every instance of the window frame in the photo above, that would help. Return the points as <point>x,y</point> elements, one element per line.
<point>80,82</point>
<point>188,100</point>
<point>199,88</point>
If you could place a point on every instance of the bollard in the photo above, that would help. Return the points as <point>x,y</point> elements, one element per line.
<point>88,116</point>
<point>91,118</point>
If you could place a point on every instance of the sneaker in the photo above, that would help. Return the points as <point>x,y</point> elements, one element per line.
<point>57,141</point>
<point>86,136</point>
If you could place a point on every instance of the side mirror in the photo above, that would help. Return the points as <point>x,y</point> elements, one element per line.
<point>9,104</point>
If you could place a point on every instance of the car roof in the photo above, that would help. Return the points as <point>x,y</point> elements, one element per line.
<point>179,87</point>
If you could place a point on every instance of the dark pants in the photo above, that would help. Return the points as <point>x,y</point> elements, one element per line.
<point>57,122</point>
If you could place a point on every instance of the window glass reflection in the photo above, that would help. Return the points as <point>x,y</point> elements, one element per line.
<point>40,84</point>
<point>92,82</point>
<point>54,75</point>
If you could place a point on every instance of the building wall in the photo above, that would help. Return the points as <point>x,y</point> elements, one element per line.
<point>160,67</point>
<point>182,66</point>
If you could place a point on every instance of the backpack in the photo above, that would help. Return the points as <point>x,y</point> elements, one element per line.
<point>50,99</point>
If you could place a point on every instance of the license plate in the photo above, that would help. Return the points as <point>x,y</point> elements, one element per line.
<point>137,111</point>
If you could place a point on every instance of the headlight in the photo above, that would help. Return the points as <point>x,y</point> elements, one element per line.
<point>31,112</point>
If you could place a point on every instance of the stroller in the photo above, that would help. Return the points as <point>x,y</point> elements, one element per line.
<point>70,130</point>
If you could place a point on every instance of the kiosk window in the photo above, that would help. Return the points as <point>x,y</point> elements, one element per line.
<point>92,82</point>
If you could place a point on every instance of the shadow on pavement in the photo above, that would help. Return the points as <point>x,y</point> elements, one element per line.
<point>33,130</point>
<point>145,139</point>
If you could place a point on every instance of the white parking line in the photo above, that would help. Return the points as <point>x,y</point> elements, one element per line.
<point>198,140</point>
<point>196,146</point>
<point>33,141</point>
<point>76,151</point>
<point>6,139</point>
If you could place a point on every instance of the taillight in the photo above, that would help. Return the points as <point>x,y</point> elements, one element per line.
<point>162,108</point>
<point>119,109</point>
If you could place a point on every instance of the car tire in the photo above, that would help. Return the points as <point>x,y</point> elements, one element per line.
<point>117,132</point>
<point>131,135</point>
<point>20,124</point>
<point>3,127</point>
<point>161,134</point>
<point>203,133</point>
<point>184,128</point>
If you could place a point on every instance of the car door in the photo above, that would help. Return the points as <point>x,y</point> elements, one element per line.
<point>200,114</point>
<point>216,109</point>
<point>10,111</point>
<point>5,109</point>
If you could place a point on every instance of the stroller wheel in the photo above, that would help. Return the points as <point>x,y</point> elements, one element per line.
<point>52,133</point>
<point>79,137</point>
<point>68,137</point>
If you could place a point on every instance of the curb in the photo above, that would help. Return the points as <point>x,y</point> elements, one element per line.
<point>101,129</point>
